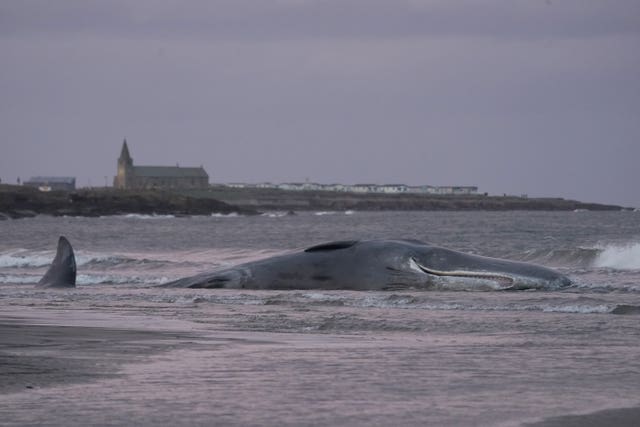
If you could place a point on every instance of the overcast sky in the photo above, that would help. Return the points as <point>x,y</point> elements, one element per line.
<point>517,96</point>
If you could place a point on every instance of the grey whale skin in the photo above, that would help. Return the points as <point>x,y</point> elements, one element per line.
<point>62,272</point>
<point>378,265</point>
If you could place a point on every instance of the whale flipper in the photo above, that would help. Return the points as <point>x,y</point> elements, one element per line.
<point>62,272</point>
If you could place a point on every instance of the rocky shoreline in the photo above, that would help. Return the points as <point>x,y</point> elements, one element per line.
<point>281,200</point>
<point>21,202</point>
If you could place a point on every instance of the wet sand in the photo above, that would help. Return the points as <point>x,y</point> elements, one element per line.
<point>60,368</point>
<point>35,355</point>
<point>196,364</point>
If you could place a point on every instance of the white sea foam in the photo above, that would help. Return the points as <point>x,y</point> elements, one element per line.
<point>88,279</point>
<point>25,258</point>
<point>576,308</point>
<point>229,215</point>
<point>97,279</point>
<point>145,216</point>
<point>22,258</point>
<point>12,278</point>
<point>242,299</point>
<point>620,257</point>
<point>277,214</point>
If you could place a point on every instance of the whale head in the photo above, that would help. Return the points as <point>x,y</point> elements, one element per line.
<point>450,269</point>
<point>412,264</point>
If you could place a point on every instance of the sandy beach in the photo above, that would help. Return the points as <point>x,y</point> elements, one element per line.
<point>61,367</point>
<point>100,367</point>
<point>36,356</point>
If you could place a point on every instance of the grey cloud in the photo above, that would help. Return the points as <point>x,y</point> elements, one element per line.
<point>277,19</point>
<point>513,96</point>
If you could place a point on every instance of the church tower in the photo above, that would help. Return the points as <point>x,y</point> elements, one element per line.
<point>125,177</point>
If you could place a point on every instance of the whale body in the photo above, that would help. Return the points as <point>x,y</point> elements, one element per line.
<point>378,265</point>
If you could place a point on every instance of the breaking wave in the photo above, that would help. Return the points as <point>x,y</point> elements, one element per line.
<point>24,258</point>
<point>88,279</point>
<point>562,257</point>
<point>144,216</point>
<point>393,301</point>
<point>612,256</point>
<point>626,257</point>
<point>108,279</point>
<point>22,278</point>
<point>140,216</point>
<point>275,214</point>
<point>323,213</point>
<point>228,215</point>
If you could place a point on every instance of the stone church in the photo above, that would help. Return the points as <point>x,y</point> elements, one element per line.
<point>148,177</point>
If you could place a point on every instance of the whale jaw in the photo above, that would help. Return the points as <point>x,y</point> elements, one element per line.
<point>491,278</point>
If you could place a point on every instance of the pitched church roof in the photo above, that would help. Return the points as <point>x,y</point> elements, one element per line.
<point>160,171</point>
<point>170,172</point>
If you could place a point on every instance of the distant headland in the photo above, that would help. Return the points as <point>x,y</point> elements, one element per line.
<point>266,199</point>
<point>22,201</point>
<point>180,190</point>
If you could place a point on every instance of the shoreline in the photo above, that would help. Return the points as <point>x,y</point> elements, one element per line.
<point>37,355</point>
<point>275,199</point>
<point>80,364</point>
<point>24,202</point>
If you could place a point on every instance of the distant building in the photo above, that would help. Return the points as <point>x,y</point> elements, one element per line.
<point>335,187</point>
<point>458,190</point>
<point>363,188</point>
<point>300,186</point>
<point>391,188</point>
<point>146,177</point>
<point>237,185</point>
<point>265,185</point>
<point>52,183</point>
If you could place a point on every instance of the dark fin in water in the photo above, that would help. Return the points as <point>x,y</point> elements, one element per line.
<point>626,309</point>
<point>332,246</point>
<point>62,272</point>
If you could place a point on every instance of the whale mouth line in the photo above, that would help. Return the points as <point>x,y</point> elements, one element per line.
<point>504,280</point>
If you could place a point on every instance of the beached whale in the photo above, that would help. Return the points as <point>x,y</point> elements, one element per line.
<point>62,272</point>
<point>378,265</point>
<point>353,265</point>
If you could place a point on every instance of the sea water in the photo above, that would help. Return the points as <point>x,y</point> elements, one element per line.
<point>357,358</point>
